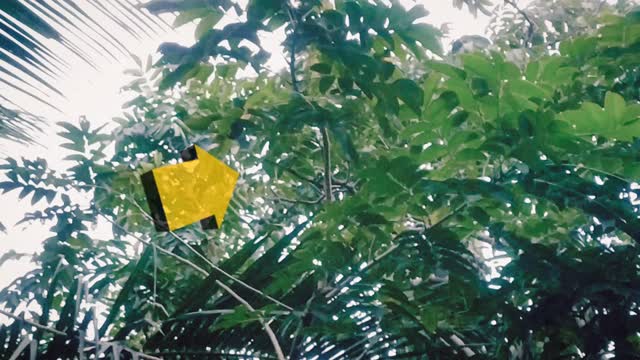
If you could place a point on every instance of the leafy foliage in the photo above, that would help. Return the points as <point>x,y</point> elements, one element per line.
<point>484,210</point>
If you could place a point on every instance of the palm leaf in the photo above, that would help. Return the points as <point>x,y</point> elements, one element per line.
<point>30,63</point>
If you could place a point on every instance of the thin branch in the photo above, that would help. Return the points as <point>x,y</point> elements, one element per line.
<point>206,313</point>
<point>267,328</point>
<point>61,333</point>
<point>196,314</point>
<point>292,50</point>
<point>526,18</point>
<point>291,201</point>
<point>384,142</point>
<point>231,277</point>
<point>214,266</point>
<point>323,129</point>
<point>326,157</point>
<point>32,323</point>
<point>296,174</point>
<point>603,172</point>
<point>161,249</point>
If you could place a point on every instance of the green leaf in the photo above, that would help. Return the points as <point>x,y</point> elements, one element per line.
<point>50,195</point>
<point>241,316</point>
<point>440,109</point>
<point>25,191</point>
<point>207,23</point>
<point>410,93</point>
<point>527,89</point>
<point>479,215</point>
<point>325,83</point>
<point>430,86</point>
<point>77,146</point>
<point>447,69</point>
<point>37,195</point>
<point>615,106</point>
<point>427,35</point>
<point>432,153</point>
<point>480,66</point>
<point>321,68</point>
<point>75,157</point>
<point>7,186</point>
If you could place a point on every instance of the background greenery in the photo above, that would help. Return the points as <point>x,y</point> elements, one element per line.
<point>396,200</point>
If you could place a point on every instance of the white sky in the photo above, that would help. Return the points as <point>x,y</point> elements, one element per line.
<point>96,94</point>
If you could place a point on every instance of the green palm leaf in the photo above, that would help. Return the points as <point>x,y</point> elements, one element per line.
<point>29,62</point>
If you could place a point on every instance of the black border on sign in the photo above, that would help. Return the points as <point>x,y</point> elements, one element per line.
<point>153,199</point>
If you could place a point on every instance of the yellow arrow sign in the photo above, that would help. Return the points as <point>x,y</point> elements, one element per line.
<point>199,189</point>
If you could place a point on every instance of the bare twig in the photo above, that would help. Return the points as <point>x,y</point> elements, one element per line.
<point>267,328</point>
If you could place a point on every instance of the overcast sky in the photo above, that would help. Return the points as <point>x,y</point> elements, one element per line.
<point>95,93</point>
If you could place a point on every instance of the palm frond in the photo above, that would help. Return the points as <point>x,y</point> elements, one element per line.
<point>40,39</point>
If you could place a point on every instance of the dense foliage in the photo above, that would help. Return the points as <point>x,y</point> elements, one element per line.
<point>391,204</point>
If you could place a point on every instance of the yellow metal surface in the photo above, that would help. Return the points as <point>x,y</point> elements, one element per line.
<point>195,189</point>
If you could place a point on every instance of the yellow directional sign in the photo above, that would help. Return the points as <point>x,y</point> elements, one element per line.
<point>199,189</point>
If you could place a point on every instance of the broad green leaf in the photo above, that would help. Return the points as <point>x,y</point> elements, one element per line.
<point>447,69</point>
<point>429,87</point>
<point>410,93</point>
<point>321,68</point>
<point>325,83</point>
<point>207,23</point>
<point>615,107</point>
<point>527,89</point>
<point>480,66</point>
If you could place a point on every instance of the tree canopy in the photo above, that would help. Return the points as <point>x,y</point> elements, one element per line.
<point>394,201</point>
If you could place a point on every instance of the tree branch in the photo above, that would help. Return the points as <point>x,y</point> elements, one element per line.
<point>161,249</point>
<point>526,18</point>
<point>326,157</point>
<point>291,201</point>
<point>202,257</point>
<point>292,50</point>
<point>267,328</point>
<point>296,174</point>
